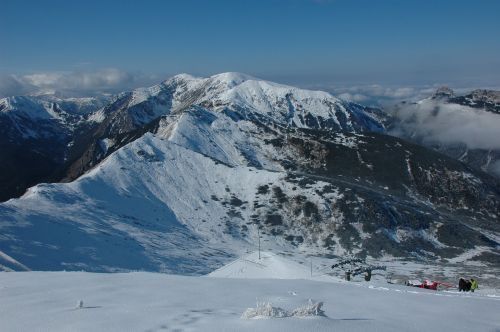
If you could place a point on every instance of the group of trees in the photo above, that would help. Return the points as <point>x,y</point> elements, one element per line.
<point>356,266</point>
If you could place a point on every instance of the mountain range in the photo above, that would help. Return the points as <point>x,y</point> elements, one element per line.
<point>184,175</point>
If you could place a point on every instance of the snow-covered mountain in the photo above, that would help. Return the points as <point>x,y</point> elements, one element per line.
<point>47,115</point>
<point>40,130</point>
<point>238,96</point>
<point>182,176</point>
<point>285,105</point>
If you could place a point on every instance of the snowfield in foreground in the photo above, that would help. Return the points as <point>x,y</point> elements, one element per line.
<point>50,301</point>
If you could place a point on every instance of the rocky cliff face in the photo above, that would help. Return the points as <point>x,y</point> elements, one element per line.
<point>488,100</point>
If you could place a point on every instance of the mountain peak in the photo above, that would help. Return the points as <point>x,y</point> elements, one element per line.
<point>443,92</point>
<point>232,78</point>
<point>184,77</point>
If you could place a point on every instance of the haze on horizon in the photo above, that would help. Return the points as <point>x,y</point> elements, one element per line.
<point>330,45</point>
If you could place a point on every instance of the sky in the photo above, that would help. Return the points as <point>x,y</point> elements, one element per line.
<point>326,44</point>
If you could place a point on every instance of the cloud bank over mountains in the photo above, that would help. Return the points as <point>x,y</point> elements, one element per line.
<point>438,122</point>
<point>74,83</point>
<point>378,94</point>
<point>387,96</point>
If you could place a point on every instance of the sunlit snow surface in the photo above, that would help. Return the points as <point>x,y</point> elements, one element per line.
<point>79,301</point>
<point>116,217</point>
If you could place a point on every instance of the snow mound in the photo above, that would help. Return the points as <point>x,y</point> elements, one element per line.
<point>269,266</point>
<point>266,310</point>
<point>309,309</point>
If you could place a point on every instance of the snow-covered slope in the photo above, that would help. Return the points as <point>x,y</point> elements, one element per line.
<point>47,301</point>
<point>135,202</point>
<point>267,265</point>
<point>287,105</point>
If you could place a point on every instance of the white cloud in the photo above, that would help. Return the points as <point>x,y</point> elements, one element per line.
<point>355,97</point>
<point>376,91</point>
<point>401,92</point>
<point>439,122</point>
<point>375,94</point>
<point>43,79</point>
<point>10,85</point>
<point>72,83</point>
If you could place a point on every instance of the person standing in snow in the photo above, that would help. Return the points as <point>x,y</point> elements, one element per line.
<point>467,285</point>
<point>473,285</point>
<point>368,275</point>
<point>461,284</point>
<point>464,285</point>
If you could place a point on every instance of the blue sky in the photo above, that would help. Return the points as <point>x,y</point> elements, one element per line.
<point>303,42</point>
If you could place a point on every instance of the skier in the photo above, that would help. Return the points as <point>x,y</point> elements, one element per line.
<point>473,285</point>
